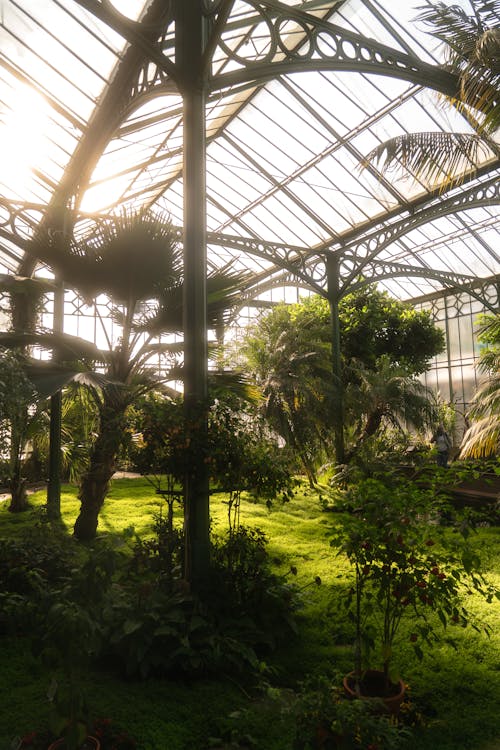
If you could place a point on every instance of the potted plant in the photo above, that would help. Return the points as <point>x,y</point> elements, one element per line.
<point>326,720</point>
<point>109,736</point>
<point>67,637</point>
<point>407,567</point>
<point>67,643</point>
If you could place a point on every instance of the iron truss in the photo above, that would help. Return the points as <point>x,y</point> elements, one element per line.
<point>358,260</point>
<point>362,252</point>
<point>280,40</point>
<point>287,40</point>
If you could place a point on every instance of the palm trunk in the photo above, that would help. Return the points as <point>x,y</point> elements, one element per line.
<point>18,494</point>
<point>94,483</point>
<point>373,423</point>
<point>308,468</point>
<point>17,483</point>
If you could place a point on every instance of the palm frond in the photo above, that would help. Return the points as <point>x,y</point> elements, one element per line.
<point>48,378</point>
<point>482,438</point>
<point>25,284</point>
<point>125,257</point>
<point>490,361</point>
<point>224,293</point>
<point>163,348</point>
<point>69,348</point>
<point>486,399</point>
<point>459,30</point>
<point>452,25</point>
<point>431,156</point>
<point>473,53</point>
<point>479,89</point>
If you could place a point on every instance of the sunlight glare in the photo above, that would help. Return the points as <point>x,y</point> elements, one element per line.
<point>23,139</point>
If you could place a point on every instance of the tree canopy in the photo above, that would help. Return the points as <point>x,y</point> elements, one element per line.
<point>289,351</point>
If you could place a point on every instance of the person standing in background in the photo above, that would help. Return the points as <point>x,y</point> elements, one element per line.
<point>443,445</point>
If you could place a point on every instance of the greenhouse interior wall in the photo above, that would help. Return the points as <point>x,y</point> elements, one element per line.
<point>454,374</point>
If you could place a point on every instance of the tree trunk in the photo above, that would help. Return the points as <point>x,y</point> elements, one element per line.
<point>19,496</point>
<point>17,483</point>
<point>308,468</point>
<point>94,483</point>
<point>373,423</point>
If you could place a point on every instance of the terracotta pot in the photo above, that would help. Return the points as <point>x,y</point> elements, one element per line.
<point>325,739</point>
<point>372,685</point>
<point>91,743</point>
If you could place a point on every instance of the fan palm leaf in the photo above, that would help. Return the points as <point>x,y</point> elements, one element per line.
<point>25,284</point>
<point>473,52</point>
<point>482,437</point>
<point>433,157</point>
<point>128,257</point>
<point>386,394</point>
<point>472,45</point>
<point>69,348</point>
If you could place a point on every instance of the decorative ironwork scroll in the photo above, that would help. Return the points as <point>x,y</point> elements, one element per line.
<point>281,40</point>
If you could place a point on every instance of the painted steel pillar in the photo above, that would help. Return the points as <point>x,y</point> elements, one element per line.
<point>54,483</point>
<point>190,41</point>
<point>333,291</point>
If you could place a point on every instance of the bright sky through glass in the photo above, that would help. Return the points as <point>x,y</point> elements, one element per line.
<point>24,127</point>
<point>283,156</point>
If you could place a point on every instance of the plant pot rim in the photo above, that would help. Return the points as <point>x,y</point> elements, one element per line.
<point>391,701</point>
<point>60,743</point>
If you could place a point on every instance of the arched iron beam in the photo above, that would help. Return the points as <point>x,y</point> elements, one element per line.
<point>330,47</point>
<point>288,257</point>
<point>450,280</point>
<point>358,233</point>
<point>484,194</point>
<point>325,46</point>
<point>291,261</point>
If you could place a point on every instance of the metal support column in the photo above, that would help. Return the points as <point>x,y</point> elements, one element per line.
<point>333,290</point>
<point>54,483</point>
<point>190,32</point>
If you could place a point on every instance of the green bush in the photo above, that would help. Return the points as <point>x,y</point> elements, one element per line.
<point>155,626</point>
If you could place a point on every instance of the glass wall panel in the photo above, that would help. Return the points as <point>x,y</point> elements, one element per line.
<point>458,316</point>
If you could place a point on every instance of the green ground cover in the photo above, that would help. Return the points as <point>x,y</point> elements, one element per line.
<point>457,692</point>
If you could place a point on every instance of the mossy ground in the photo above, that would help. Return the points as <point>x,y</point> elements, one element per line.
<point>457,692</point>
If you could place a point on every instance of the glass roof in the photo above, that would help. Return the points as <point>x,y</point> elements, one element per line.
<point>91,114</point>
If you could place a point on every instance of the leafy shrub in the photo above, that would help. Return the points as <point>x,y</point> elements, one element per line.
<point>325,718</point>
<point>243,586</point>
<point>239,452</point>
<point>156,626</point>
<point>162,555</point>
<point>30,566</point>
<point>405,567</point>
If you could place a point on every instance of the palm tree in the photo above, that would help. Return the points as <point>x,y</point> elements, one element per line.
<point>473,54</point>
<point>292,368</point>
<point>386,394</point>
<point>482,438</point>
<point>22,414</point>
<point>136,262</point>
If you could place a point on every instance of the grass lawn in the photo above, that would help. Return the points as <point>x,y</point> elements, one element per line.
<point>456,691</point>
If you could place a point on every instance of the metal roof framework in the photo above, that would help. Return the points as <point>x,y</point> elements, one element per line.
<point>296,93</point>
